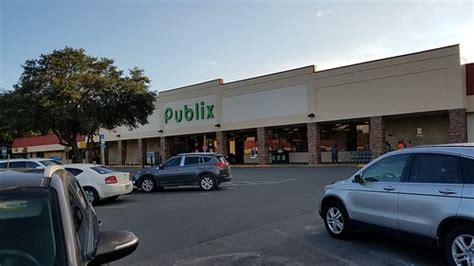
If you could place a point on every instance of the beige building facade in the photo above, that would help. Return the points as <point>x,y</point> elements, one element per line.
<point>300,115</point>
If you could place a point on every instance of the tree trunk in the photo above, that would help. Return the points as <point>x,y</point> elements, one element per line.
<point>76,151</point>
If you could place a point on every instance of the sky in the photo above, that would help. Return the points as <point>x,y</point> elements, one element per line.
<point>180,43</point>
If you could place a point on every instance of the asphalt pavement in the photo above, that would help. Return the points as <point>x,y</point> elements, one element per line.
<point>265,216</point>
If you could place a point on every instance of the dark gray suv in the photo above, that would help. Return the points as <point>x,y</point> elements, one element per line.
<point>207,170</point>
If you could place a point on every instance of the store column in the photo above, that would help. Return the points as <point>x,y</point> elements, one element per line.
<point>262,144</point>
<point>140,151</point>
<point>314,143</point>
<point>377,136</point>
<point>457,125</point>
<point>221,139</point>
<point>164,148</point>
<point>120,152</point>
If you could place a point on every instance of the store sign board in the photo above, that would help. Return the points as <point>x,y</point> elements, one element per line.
<point>190,112</point>
<point>199,111</point>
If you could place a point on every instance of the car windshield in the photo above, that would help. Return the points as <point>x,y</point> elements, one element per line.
<point>50,162</point>
<point>30,228</point>
<point>102,169</point>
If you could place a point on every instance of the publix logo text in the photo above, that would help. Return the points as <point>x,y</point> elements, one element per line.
<point>200,111</point>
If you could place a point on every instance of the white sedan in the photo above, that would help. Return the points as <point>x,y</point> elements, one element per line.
<point>100,182</point>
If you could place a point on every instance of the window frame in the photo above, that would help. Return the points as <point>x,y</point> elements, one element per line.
<point>464,178</point>
<point>196,157</point>
<point>180,158</point>
<point>405,172</point>
<point>17,162</point>
<point>412,167</point>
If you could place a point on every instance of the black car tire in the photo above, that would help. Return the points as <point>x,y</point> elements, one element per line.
<point>92,195</point>
<point>148,184</point>
<point>336,220</point>
<point>465,231</point>
<point>207,182</point>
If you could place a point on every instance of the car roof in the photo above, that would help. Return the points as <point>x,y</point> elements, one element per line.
<point>83,165</point>
<point>463,149</point>
<point>14,179</point>
<point>30,160</point>
<point>11,179</point>
<point>199,154</point>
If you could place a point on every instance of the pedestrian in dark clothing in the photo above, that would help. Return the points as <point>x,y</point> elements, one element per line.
<point>388,147</point>
<point>334,154</point>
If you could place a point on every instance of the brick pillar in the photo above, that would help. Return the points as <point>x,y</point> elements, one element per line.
<point>314,143</point>
<point>377,136</point>
<point>164,148</point>
<point>221,139</point>
<point>140,152</point>
<point>120,152</point>
<point>457,125</point>
<point>262,141</point>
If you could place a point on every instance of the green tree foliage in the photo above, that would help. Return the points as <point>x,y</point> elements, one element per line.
<point>70,93</point>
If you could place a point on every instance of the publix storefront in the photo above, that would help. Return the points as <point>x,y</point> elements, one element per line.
<point>296,116</point>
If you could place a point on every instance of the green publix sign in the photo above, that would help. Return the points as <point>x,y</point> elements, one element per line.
<point>201,111</point>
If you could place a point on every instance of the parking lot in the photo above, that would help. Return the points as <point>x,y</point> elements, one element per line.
<point>264,216</point>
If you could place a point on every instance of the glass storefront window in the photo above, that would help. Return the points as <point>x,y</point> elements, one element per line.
<point>289,139</point>
<point>352,140</point>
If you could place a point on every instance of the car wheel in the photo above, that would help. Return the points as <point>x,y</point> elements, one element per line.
<point>337,221</point>
<point>459,245</point>
<point>148,184</point>
<point>91,195</point>
<point>207,183</point>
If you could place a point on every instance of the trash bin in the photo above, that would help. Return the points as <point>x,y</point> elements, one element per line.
<point>280,157</point>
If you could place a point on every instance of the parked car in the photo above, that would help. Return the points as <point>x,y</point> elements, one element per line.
<point>33,163</point>
<point>207,170</point>
<point>426,192</point>
<point>100,182</point>
<point>45,219</point>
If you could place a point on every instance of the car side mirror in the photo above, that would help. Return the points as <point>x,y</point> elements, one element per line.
<point>357,179</point>
<point>114,245</point>
<point>161,167</point>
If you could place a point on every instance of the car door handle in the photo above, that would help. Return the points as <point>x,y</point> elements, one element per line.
<point>388,188</point>
<point>447,191</point>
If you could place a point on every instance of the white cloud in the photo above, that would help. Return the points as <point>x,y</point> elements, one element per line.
<point>320,13</point>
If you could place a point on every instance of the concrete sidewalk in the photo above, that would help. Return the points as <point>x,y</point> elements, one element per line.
<point>325,165</point>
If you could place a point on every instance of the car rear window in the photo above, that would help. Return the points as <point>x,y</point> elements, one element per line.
<point>50,162</point>
<point>28,214</point>
<point>102,169</point>
<point>3,165</point>
<point>207,159</point>
<point>75,171</point>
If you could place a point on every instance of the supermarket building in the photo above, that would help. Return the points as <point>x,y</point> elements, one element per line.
<point>296,116</point>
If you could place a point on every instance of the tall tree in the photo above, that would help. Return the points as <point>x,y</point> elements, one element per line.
<point>70,93</point>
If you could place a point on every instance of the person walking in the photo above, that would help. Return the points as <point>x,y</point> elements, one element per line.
<point>334,154</point>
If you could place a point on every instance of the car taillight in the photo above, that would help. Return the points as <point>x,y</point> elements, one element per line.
<point>111,180</point>
<point>221,165</point>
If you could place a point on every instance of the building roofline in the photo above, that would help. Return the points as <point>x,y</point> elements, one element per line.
<point>273,74</point>
<point>388,58</point>
<point>219,81</point>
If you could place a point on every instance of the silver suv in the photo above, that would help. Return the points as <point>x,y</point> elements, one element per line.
<point>424,192</point>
